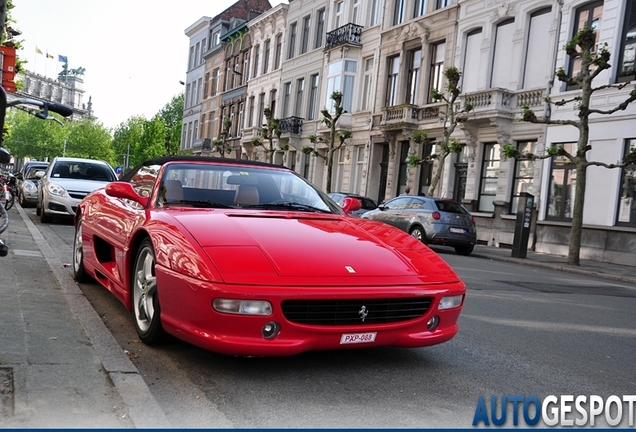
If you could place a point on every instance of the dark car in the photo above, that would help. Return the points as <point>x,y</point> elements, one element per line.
<point>27,183</point>
<point>366,203</point>
<point>434,221</point>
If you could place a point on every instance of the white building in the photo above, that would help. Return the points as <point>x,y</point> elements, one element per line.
<point>387,56</point>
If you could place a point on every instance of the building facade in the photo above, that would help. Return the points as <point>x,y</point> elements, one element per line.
<point>68,91</point>
<point>385,57</point>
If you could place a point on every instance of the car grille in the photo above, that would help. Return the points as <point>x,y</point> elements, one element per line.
<point>350,312</point>
<point>77,194</point>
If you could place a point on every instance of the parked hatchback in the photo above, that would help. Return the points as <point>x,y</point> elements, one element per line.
<point>434,221</point>
<point>66,182</point>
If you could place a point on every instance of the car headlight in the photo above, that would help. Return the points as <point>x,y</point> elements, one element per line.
<point>242,307</point>
<point>450,302</point>
<point>30,187</point>
<point>55,189</point>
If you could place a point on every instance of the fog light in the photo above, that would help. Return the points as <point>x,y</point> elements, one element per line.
<point>270,330</point>
<point>450,302</point>
<point>432,323</point>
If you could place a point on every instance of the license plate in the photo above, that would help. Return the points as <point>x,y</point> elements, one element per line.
<point>354,338</point>
<point>458,230</point>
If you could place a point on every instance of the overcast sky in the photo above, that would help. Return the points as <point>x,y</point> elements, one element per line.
<point>134,51</point>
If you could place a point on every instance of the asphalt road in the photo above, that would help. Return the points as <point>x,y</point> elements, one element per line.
<point>523,331</point>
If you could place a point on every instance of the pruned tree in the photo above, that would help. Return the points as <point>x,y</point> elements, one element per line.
<point>330,120</point>
<point>592,64</point>
<point>269,131</point>
<point>220,144</point>
<point>450,116</point>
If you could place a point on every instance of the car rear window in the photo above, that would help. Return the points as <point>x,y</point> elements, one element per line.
<point>450,207</point>
<point>367,204</point>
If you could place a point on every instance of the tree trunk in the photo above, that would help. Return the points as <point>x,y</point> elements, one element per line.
<point>576,231</point>
<point>438,173</point>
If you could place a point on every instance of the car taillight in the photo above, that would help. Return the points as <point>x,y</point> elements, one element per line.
<point>436,216</point>
<point>473,220</point>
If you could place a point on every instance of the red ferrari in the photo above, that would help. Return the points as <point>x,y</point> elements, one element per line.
<point>248,258</point>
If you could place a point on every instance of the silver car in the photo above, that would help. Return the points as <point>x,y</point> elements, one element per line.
<point>66,182</point>
<point>434,221</point>
<point>27,184</point>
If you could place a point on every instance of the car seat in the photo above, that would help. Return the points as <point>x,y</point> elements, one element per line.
<point>246,195</point>
<point>172,191</point>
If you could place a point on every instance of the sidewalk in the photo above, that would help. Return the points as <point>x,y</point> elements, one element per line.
<point>599,269</point>
<point>60,367</point>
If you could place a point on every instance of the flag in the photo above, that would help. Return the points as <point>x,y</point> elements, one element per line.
<point>62,58</point>
<point>38,50</point>
<point>49,55</point>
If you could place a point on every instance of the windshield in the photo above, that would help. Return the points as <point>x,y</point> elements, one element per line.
<point>223,186</point>
<point>30,174</point>
<point>83,171</point>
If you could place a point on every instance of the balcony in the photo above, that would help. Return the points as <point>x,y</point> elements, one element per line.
<point>291,125</point>
<point>348,34</point>
<point>501,102</point>
<point>400,117</point>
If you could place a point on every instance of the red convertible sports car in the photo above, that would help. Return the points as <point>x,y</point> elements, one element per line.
<point>248,258</point>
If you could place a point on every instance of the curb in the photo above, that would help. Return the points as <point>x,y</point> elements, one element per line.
<point>144,411</point>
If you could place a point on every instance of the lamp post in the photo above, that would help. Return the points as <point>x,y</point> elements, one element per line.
<point>127,158</point>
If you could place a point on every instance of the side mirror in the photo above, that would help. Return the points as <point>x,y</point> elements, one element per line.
<point>125,190</point>
<point>350,205</point>
<point>19,176</point>
<point>40,174</point>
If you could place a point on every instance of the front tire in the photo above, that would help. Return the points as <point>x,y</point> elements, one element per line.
<point>79,272</point>
<point>44,218</point>
<point>9,200</point>
<point>145,297</point>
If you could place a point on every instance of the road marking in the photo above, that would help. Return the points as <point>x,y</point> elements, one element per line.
<point>27,253</point>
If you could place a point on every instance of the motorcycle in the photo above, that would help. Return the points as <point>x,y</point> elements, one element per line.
<point>8,184</point>
<point>5,158</point>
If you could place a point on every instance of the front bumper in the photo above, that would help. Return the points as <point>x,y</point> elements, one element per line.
<point>187,313</point>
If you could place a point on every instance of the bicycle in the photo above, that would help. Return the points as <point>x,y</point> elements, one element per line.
<point>42,111</point>
<point>7,186</point>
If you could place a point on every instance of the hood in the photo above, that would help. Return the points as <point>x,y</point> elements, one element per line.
<point>319,247</point>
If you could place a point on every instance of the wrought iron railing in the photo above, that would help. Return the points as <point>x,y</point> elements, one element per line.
<point>291,125</point>
<point>347,34</point>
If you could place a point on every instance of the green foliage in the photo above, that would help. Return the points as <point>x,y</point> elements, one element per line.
<point>31,137</point>
<point>419,136</point>
<point>172,116</point>
<point>527,114</point>
<point>307,149</point>
<point>89,139</point>
<point>510,151</point>
<point>127,141</point>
